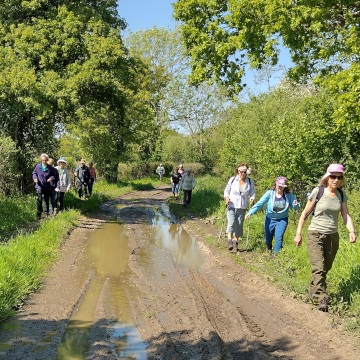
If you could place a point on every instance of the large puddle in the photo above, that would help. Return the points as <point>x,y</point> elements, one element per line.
<point>108,252</point>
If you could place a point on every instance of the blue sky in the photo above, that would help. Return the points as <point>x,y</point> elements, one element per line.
<point>145,14</point>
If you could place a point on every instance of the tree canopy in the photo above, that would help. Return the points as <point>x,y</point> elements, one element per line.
<point>63,65</point>
<point>225,36</point>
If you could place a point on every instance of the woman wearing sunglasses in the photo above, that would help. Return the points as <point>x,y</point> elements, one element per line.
<point>237,193</point>
<point>322,235</point>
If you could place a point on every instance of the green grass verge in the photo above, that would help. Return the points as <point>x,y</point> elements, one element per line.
<point>26,258</point>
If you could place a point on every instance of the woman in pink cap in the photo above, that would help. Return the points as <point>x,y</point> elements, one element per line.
<point>326,201</point>
<point>279,201</point>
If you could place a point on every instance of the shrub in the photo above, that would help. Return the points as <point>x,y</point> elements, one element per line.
<point>9,176</point>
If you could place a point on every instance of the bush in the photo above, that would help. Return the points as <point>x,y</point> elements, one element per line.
<point>8,162</point>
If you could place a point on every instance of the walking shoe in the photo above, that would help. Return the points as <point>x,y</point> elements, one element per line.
<point>323,304</point>
<point>230,244</point>
<point>56,211</point>
<point>235,247</point>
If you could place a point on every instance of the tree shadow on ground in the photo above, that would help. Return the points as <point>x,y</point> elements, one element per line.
<point>56,339</point>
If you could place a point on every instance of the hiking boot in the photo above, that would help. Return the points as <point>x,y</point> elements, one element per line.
<point>56,211</point>
<point>230,244</point>
<point>235,247</point>
<point>323,304</point>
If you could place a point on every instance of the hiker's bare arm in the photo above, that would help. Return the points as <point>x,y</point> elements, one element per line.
<point>308,207</point>
<point>348,222</point>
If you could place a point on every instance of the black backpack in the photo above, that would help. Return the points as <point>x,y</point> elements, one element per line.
<point>318,197</point>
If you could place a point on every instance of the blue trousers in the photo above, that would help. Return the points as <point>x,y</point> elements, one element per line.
<point>275,228</point>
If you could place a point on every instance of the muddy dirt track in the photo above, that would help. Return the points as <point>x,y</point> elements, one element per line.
<point>219,311</point>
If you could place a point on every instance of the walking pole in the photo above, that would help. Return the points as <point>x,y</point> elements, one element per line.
<point>222,226</point>
<point>248,235</point>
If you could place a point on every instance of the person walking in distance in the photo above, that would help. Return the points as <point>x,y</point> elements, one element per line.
<point>238,191</point>
<point>82,177</point>
<point>64,182</point>
<point>53,193</point>
<point>92,179</point>
<point>187,184</point>
<point>175,182</point>
<point>279,200</point>
<point>43,175</point>
<point>181,169</point>
<point>326,202</point>
<point>160,170</point>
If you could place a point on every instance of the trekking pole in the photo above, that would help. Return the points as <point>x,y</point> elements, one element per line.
<point>222,226</point>
<point>248,234</point>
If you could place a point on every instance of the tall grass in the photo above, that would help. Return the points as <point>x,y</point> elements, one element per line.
<point>25,259</point>
<point>15,211</point>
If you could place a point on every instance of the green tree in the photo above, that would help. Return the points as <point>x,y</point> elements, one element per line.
<point>195,110</point>
<point>223,37</point>
<point>162,54</point>
<point>63,64</point>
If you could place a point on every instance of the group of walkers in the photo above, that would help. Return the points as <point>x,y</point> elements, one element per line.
<point>183,180</point>
<point>51,183</point>
<point>325,203</point>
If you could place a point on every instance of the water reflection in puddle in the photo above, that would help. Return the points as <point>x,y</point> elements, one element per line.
<point>183,248</point>
<point>108,252</point>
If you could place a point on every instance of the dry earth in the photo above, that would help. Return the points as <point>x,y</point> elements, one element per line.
<point>220,312</point>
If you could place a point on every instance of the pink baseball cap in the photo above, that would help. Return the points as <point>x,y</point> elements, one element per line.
<point>281,181</point>
<point>335,168</point>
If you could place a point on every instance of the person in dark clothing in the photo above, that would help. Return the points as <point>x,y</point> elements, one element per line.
<point>175,182</point>
<point>53,185</point>
<point>92,179</point>
<point>82,176</point>
<point>43,175</point>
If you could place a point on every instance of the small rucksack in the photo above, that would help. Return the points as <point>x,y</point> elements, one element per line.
<point>318,197</point>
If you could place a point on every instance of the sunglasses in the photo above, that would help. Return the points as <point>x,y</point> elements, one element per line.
<point>333,177</point>
<point>242,172</point>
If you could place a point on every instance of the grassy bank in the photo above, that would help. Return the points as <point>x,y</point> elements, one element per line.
<point>291,270</point>
<point>28,248</point>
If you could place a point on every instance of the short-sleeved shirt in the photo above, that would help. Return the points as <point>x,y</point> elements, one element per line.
<point>176,177</point>
<point>327,210</point>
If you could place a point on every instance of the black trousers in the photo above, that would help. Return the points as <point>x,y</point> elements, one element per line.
<point>39,201</point>
<point>187,197</point>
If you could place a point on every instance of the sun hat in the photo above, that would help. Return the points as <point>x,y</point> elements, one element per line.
<point>335,168</point>
<point>281,181</point>
<point>61,160</point>
<point>82,161</point>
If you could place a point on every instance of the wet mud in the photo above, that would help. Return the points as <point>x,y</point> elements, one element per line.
<point>132,282</point>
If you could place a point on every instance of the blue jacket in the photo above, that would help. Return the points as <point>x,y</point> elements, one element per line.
<point>42,177</point>
<point>269,198</point>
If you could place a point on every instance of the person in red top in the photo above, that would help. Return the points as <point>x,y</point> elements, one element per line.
<point>92,172</point>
